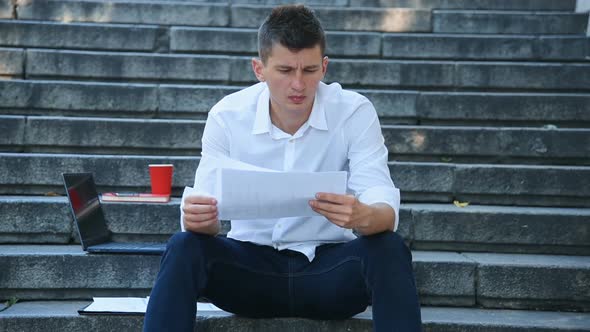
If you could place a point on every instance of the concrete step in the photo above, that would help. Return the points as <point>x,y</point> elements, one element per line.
<point>443,278</point>
<point>47,220</point>
<point>486,47</point>
<point>443,21</point>
<point>488,145</point>
<point>194,101</point>
<point>63,316</point>
<point>89,36</point>
<point>219,14</point>
<point>503,108</point>
<point>183,137</point>
<point>460,75</point>
<point>102,135</point>
<point>34,174</point>
<point>144,67</point>
<point>497,228</point>
<point>401,46</point>
<point>117,37</point>
<point>349,19</point>
<point>161,13</point>
<point>508,22</point>
<point>134,275</point>
<point>532,5</point>
<point>12,60</point>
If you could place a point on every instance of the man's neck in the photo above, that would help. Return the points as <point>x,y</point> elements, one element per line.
<point>287,122</point>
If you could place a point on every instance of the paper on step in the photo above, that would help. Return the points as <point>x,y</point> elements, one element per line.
<point>117,305</point>
<point>201,306</point>
<point>130,305</point>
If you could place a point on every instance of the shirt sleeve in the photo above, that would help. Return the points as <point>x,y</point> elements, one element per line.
<point>215,144</point>
<point>369,177</point>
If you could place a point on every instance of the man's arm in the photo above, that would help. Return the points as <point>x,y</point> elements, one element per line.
<point>348,212</point>
<point>198,213</point>
<point>375,206</point>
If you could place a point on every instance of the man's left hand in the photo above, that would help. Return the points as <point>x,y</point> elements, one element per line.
<point>343,210</point>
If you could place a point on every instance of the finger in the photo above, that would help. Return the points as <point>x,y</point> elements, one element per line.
<point>198,199</point>
<point>196,226</point>
<point>335,198</point>
<point>203,217</point>
<point>330,207</point>
<point>198,208</point>
<point>334,218</point>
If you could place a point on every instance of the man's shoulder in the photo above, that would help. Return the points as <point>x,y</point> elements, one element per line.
<point>240,101</point>
<point>334,93</point>
<point>342,103</point>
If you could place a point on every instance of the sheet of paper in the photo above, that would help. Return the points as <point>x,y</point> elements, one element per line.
<point>118,304</point>
<point>246,194</point>
<point>201,306</point>
<point>132,305</point>
<point>206,174</point>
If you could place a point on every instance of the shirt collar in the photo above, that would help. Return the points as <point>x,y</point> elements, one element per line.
<point>263,124</point>
<point>317,118</point>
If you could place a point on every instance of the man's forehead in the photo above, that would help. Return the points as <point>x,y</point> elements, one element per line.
<point>282,56</point>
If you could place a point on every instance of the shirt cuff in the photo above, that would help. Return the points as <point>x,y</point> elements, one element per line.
<point>383,194</point>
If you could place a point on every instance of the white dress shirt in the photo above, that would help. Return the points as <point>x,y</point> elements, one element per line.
<point>342,134</point>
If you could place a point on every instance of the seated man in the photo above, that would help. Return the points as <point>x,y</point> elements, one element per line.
<point>313,267</point>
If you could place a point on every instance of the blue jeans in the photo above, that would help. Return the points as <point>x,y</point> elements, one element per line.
<point>258,281</point>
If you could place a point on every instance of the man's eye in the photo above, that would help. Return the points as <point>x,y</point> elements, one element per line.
<point>284,70</point>
<point>311,70</point>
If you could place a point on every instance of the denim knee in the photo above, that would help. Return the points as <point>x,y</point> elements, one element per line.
<point>388,244</point>
<point>186,243</point>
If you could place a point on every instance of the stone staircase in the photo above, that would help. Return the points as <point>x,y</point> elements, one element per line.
<point>481,101</point>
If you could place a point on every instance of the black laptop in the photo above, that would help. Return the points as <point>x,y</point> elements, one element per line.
<point>90,221</point>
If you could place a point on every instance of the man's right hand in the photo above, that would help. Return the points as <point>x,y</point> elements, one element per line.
<point>200,215</point>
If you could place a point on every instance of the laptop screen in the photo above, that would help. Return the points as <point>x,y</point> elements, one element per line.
<point>86,208</point>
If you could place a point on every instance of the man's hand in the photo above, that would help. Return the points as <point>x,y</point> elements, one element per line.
<point>347,211</point>
<point>200,215</point>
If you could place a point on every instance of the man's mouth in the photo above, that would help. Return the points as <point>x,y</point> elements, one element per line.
<point>296,99</point>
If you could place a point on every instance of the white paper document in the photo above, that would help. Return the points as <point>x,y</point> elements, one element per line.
<point>202,306</point>
<point>130,305</point>
<point>247,194</point>
<point>117,305</point>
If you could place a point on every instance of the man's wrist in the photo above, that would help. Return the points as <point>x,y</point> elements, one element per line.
<point>379,219</point>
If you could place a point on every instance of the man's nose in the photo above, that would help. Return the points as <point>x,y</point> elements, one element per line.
<point>297,83</point>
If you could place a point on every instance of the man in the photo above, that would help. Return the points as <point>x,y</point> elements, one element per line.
<point>312,267</point>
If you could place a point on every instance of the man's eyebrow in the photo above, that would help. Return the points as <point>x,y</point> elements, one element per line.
<point>290,67</point>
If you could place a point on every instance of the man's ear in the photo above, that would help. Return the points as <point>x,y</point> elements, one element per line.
<point>257,67</point>
<point>324,65</point>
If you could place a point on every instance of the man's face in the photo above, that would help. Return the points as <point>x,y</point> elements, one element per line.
<point>292,78</point>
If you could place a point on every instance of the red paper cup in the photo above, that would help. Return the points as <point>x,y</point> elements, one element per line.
<point>161,178</point>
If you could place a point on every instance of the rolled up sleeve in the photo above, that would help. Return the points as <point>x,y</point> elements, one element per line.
<point>215,144</point>
<point>369,177</point>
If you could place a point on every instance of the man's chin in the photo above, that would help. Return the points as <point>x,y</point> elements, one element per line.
<point>299,108</point>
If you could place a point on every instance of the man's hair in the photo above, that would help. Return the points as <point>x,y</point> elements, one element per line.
<point>294,26</point>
